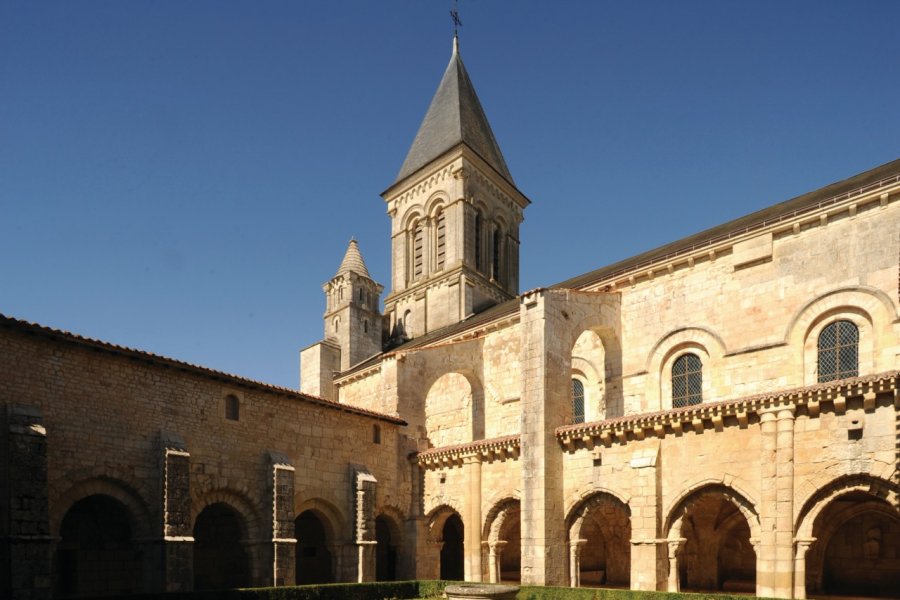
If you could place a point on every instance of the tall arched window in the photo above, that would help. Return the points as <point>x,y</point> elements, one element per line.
<point>441,241</point>
<point>577,401</point>
<point>838,351</point>
<point>687,381</point>
<point>418,250</point>
<point>479,251</point>
<point>497,243</point>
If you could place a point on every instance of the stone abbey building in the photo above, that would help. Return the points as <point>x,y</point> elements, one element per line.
<point>720,413</point>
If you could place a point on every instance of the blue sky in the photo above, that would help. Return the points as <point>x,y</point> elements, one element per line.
<point>181,177</point>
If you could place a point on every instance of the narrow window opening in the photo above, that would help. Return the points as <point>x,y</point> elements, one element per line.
<point>479,254</point>
<point>376,434</point>
<point>232,408</point>
<point>418,251</point>
<point>577,401</point>
<point>497,253</point>
<point>441,250</point>
<point>365,326</point>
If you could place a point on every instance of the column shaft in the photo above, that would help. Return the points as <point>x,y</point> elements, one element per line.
<point>472,540</point>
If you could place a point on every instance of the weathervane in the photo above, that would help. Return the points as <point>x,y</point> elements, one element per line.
<point>454,14</point>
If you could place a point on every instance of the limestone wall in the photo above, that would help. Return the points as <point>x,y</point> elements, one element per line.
<point>109,419</point>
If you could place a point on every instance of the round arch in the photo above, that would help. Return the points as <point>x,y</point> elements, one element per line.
<point>250,521</point>
<point>222,558</point>
<point>98,552</point>
<point>735,494</point>
<point>867,308</point>
<point>447,531</point>
<point>332,518</point>
<point>599,535</point>
<point>137,509</point>
<point>602,369</point>
<point>697,340</point>
<point>454,408</point>
<point>850,527</point>
<point>714,528</point>
<point>389,538</point>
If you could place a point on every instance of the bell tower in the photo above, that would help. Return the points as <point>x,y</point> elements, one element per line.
<point>353,326</point>
<point>455,215</point>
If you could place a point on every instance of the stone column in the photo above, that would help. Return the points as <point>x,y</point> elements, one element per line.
<point>675,547</point>
<point>472,540</point>
<point>284,544</point>
<point>765,559</point>
<point>802,547</point>
<point>26,547</point>
<point>495,551</point>
<point>575,562</point>
<point>784,509</point>
<point>365,525</point>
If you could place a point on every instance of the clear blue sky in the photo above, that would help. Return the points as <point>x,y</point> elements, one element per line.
<point>182,177</point>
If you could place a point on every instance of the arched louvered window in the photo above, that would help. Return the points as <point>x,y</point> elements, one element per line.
<point>687,381</point>
<point>838,351</point>
<point>441,241</point>
<point>577,401</point>
<point>479,251</point>
<point>497,243</point>
<point>418,250</point>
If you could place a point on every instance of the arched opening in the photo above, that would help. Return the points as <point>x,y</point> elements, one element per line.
<point>96,555</point>
<point>602,529</point>
<point>453,536</point>
<point>588,387</point>
<point>385,550</point>
<point>717,554</point>
<point>314,560</point>
<point>857,548</point>
<point>507,530</point>
<point>220,558</point>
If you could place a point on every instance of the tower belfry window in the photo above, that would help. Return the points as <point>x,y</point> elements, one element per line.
<point>418,250</point>
<point>441,245</point>
<point>479,252</point>
<point>497,249</point>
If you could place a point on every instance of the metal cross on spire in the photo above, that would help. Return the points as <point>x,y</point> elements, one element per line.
<point>454,14</point>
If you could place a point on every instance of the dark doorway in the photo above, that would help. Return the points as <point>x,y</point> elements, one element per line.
<point>385,551</point>
<point>220,559</point>
<point>96,555</point>
<point>313,555</point>
<point>452,550</point>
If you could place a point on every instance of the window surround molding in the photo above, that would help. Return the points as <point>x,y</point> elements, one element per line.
<point>863,323</point>
<point>870,309</point>
<point>688,340</point>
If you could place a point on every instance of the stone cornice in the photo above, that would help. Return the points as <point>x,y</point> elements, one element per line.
<point>728,413</point>
<point>501,448</point>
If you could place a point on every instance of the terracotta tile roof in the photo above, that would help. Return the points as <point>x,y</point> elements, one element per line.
<point>155,359</point>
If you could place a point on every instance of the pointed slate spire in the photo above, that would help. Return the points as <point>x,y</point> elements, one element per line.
<point>455,116</point>
<point>353,261</point>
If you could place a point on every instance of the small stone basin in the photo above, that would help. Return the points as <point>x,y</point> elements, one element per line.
<point>481,591</point>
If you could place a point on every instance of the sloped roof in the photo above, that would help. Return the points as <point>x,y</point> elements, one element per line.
<point>58,335</point>
<point>454,117</point>
<point>353,261</point>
